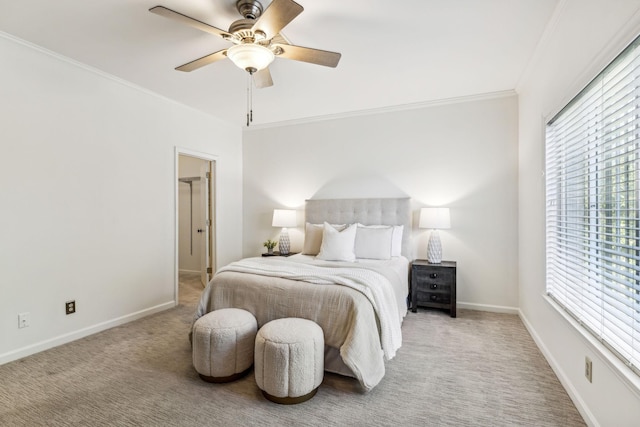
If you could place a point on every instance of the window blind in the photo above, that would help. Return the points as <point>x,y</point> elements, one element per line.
<point>593,206</point>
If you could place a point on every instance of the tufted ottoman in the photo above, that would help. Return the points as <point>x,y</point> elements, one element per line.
<point>289,360</point>
<point>223,343</point>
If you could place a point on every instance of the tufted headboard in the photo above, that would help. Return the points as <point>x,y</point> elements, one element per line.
<point>364,211</point>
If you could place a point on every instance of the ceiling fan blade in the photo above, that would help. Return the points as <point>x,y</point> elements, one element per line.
<point>262,78</point>
<point>277,16</point>
<point>177,16</point>
<point>307,54</point>
<point>280,39</point>
<point>205,60</point>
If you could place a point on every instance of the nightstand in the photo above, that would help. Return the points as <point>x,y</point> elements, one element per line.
<point>433,285</point>
<point>276,253</point>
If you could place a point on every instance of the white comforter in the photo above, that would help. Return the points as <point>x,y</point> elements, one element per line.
<point>355,305</point>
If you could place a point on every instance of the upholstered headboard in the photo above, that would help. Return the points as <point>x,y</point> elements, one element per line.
<point>364,211</point>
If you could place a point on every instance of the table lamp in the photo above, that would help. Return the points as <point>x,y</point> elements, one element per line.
<point>435,219</point>
<point>284,218</point>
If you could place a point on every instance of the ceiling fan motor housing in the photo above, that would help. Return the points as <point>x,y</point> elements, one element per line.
<point>243,33</point>
<point>242,28</point>
<point>250,9</point>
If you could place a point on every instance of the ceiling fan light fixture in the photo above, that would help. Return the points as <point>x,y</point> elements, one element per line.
<point>250,57</point>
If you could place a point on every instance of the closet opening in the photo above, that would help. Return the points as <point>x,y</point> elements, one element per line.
<point>195,220</point>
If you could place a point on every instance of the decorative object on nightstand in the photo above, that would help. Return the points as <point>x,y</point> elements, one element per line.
<point>270,244</point>
<point>435,219</point>
<point>284,218</point>
<point>433,285</point>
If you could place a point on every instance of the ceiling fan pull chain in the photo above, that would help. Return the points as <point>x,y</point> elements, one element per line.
<point>249,96</point>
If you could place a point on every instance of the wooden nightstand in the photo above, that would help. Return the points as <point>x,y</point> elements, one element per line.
<point>433,285</point>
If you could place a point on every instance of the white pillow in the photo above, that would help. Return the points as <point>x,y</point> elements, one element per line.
<point>313,237</point>
<point>373,242</point>
<point>338,245</point>
<point>396,239</point>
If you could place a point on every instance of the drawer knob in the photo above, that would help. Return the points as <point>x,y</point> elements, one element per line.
<point>433,275</point>
<point>434,286</point>
<point>434,297</point>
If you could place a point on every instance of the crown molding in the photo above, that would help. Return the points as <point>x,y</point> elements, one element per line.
<point>383,110</point>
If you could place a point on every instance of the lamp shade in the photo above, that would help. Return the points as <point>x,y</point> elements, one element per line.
<point>250,57</point>
<point>435,218</point>
<point>284,218</point>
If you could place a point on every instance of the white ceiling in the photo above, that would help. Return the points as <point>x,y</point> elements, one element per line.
<point>393,52</point>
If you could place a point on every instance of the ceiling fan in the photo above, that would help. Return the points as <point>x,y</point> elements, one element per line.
<point>256,39</point>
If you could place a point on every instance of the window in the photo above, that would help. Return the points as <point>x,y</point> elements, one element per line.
<point>593,207</point>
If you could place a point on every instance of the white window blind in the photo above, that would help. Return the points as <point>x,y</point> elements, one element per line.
<point>593,205</point>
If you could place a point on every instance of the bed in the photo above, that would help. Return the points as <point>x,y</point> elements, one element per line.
<point>358,303</point>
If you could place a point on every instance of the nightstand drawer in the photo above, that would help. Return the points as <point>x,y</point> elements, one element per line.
<point>433,286</point>
<point>432,297</point>
<point>438,276</point>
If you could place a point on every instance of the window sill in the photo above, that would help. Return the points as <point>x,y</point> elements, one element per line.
<point>622,371</point>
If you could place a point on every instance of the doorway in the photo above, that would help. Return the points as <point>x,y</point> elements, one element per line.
<point>195,222</point>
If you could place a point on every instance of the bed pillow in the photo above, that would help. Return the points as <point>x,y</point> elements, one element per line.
<point>338,245</point>
<point>396,238</point>
<point>373,242</point>
<point>313,237</point>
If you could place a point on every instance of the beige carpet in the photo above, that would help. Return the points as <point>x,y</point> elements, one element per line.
<point>480,369</point>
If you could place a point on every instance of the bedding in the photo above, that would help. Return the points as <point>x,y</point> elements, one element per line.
<point>396,236</point>
<point>373,242</point>
<point>359,305</point>
<point>313,237</point>
<point>338,245</point>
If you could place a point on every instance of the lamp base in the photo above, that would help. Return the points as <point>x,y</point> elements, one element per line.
<point>434,248</point>
<point>284,244</point>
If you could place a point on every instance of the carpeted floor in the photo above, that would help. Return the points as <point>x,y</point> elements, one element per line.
<point>479,369</point>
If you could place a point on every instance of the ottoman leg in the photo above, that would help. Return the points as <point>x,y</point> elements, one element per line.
<point>290,400</point>
<point>226,379</point>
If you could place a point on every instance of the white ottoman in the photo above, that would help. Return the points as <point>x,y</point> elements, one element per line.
<point>223,343</point>
<point>289,360</point>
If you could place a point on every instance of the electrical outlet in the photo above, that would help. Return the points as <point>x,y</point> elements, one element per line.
<point>70,307</point>
<point>588,368</point>
<point>24,320</point>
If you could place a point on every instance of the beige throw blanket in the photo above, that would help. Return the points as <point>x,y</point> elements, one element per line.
<point>355,306</point>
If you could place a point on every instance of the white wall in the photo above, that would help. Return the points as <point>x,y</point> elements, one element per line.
<point>462,155</point>
<point>87,179</point>
<point>583,38</point>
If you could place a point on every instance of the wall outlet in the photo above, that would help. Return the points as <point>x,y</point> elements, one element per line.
<point>588,368</point>
<point>24,320</point>
<point>70,307</point>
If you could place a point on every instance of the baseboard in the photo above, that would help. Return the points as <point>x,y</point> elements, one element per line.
<point>189,271</point>
<point>564,380</point>
<point>75,335</point>
<point>486,307</point>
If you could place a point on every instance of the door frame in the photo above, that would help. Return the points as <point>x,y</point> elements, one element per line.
<point>176,203</point>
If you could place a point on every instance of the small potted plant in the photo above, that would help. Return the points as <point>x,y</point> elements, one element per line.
<point>270,244</point>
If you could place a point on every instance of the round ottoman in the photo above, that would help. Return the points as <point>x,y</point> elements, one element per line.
<point>289,360</point>
<point>223,343</point>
